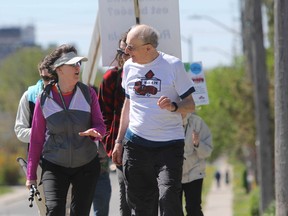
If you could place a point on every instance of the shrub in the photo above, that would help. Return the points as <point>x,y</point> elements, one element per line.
<point>254,202</point>
<point>271,210</point>
<point>10,170</point>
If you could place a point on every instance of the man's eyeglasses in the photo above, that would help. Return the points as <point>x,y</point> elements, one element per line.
<point>133,48</point>
<point>121,52</point>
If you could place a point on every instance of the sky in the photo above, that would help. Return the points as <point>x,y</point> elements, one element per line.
<point>208,28</point>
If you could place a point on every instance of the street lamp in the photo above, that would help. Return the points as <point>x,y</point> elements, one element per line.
<point>216,22</point>
<point>217,50</point>
<point>219,24</point>
<point>190,46</point>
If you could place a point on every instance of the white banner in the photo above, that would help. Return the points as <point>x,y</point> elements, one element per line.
<point>116,17</point>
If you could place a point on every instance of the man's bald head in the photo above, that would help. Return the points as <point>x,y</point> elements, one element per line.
<point>145,33</point>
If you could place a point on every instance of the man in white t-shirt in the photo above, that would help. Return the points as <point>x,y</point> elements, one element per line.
<point>151,135</point>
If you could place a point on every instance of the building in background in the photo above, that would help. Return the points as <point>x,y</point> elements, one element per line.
<point>12,38</point>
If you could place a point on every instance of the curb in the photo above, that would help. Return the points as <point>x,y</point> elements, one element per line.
<point>17,193</point>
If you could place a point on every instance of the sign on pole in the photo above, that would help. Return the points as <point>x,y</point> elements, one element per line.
<point>91,66</point>
<point>196,73</point>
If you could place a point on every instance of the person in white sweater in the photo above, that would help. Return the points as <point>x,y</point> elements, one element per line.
<point>198,147</point>
<point>26,105</point>
<point>24,118</point>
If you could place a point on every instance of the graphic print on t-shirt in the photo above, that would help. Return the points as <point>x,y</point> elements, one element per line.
<point>148,85</point>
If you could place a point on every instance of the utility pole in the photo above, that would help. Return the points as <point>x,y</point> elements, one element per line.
<point>246,36</point>
<point>281,106</point>
<point>256,64</point>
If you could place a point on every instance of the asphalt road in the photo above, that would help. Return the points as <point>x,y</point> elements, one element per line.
<point>16,203</point>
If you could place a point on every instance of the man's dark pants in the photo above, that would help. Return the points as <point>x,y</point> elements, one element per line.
<point>153,174</point>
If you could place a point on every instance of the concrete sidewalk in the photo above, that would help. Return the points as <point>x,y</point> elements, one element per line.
<point>219,200</point>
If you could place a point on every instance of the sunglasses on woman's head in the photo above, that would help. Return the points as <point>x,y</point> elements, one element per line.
<point>46,78</point>
<point>121,52</point>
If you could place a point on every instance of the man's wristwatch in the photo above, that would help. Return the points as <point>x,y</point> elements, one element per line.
<point>118,141</point>
<point>176,107</point>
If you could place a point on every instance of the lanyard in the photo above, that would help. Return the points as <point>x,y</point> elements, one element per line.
<point>61,96</point>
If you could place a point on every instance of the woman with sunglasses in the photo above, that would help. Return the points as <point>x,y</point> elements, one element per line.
<point>67,121</point>
<point>111,98</point>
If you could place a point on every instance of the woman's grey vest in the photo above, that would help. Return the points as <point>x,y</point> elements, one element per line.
<point>63,145</point>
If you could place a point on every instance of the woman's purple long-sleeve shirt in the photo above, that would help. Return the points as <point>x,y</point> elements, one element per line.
<point>39,128</point>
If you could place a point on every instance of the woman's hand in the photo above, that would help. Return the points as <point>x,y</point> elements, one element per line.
<point>91,132</point>
<point>195,138</point>
<point>29,183</point>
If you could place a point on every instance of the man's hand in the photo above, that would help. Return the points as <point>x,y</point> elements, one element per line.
<point>165,103</point>
<point>117,154</point>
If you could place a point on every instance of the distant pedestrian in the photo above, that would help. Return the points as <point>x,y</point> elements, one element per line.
<point>247,180</point>
<point>198,147</point>
<point>218,178</point>
<point>227,177</point>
